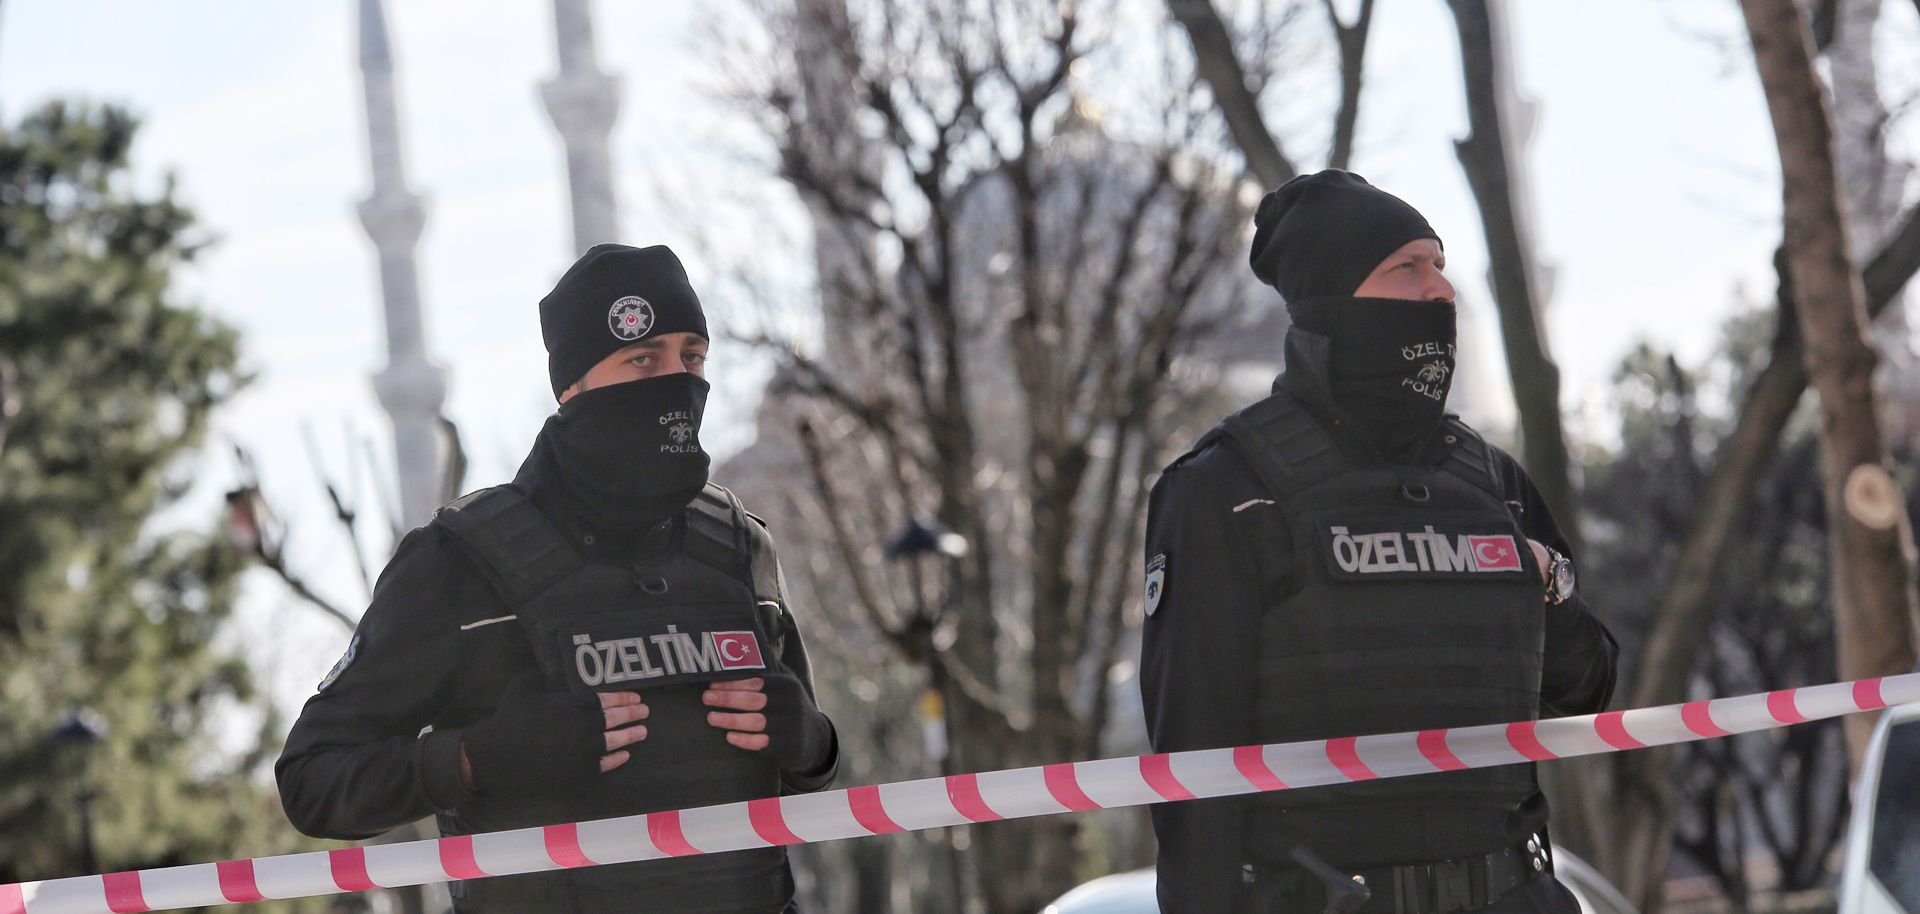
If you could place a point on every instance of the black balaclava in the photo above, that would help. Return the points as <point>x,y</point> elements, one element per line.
<point>1391,364</point>
<point>625,455</point>
<point>1391,361</point>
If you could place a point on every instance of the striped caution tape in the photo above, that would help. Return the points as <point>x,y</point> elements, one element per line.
<point>956,800</point>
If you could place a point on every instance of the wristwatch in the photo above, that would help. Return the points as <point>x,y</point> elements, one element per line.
<point>1559,577</point>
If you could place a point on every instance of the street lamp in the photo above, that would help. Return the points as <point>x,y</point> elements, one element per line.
<point>83,729</point>
<point>916,540</point>
<point>248,521</point>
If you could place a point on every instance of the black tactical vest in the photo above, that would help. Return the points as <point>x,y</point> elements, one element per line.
<point>1413,602</point>
<point>699,612</point>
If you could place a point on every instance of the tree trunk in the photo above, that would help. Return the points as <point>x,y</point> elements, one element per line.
<point>872,878</point>
<point>1624,825</point>
<point>1018,869</point>
<point>1535,378</point>
<point>1869,535</point>
<point>1622,809</point>
<point>1617,811</point>
<point>1627,828</point>
<point>9,397</point>
<point>1530,370</point>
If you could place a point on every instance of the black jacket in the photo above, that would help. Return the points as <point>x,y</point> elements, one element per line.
<point>432,652</point>
<point>1222,567</point>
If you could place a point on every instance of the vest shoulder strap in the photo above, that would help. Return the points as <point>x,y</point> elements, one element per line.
<point>517,546</point>
<point>717,536</point>
<point>1471,457</point>
<point>1287,448</point>
<point>722,535</point>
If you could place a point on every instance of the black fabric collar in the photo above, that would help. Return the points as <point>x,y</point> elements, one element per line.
<point>618,547</point>
<point>1308,356</point>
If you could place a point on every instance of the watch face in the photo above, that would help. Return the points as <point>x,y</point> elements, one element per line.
<point>1563,578</point>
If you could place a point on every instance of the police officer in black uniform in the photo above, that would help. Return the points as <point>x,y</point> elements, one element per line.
<point>1345,558</point>
<point>606,635</point>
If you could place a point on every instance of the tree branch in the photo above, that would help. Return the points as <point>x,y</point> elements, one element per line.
<point>275,562</point>
<point>1112,295</point>
<point>1219,64</point>
<point>1895,264</point>
<point>1535,378</point>
<point>1673,646</point>
<point>867,593</point>
<point>1353,53</point>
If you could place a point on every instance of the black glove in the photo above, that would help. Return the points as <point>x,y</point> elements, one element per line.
<point>799,737</point>
<point>538,741</point>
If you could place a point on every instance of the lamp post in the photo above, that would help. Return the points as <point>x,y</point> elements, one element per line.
<point>915,541</point>
<point>250,522</point>
<point>83,729</point>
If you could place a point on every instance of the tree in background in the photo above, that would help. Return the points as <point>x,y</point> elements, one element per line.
<point>110,382</point>
<point>1500,122</point>
<point>1015,293</point>
<point>1624,805</point>
<point>1239,62</point>
<point>1827,300</point>
<point>1781,795</point>
<point>1876,610</point>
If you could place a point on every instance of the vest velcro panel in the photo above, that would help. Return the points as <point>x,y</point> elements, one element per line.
<point>520,551</point>
<point>1294,453</point>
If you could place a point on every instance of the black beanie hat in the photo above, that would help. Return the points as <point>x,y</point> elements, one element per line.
<point>1322,234</point>
<point>612,297</point>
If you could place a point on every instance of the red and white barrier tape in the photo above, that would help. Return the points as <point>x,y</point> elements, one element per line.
<point>912,805</point>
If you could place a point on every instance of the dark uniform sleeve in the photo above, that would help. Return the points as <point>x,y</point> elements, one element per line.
<point>1197,668</point>
<point>356,763</point>
<point>793,654</point>
<point>1577,673</point>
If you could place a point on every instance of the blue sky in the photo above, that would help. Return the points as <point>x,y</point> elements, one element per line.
<point>1653,163</point>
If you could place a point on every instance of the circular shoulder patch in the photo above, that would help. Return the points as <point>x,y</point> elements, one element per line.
<point>340,666</point>
<point>1156,582</point>
<point>630,318</point>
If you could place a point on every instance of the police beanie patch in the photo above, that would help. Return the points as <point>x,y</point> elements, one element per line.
<point>1322,234</point>
<point>612,297</point>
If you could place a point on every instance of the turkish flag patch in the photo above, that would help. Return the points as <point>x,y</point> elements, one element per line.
<point>738,651</point>
<point>1494,553</point>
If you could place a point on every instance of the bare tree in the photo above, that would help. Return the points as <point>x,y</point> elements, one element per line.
<point>1003,356</point>
<point>1517,291</point>
<point>1628,800</point>
<point>1233,91</point>
<point>1876,610</point>
<point>1237,83</point>
<point>1621,816</point>
<point>1619,810</point>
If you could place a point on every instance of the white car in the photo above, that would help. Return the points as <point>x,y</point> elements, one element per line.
<point>1133,893</point>
<point>1882,872</point>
